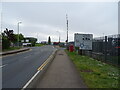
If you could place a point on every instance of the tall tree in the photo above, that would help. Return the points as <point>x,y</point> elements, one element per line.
<point>49,40</point>
<point>21,37</point>
<point>10,35</point>
<point>9,38</point>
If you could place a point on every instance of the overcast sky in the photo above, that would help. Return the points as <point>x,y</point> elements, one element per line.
<point>41,20</point>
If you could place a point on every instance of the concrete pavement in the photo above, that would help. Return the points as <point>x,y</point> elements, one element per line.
<point>61,74</point>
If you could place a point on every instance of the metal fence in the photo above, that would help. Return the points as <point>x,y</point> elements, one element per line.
<point>106,49</point>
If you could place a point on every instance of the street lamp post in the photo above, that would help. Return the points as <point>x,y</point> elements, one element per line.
<point>18,33</point>
<point>67,27</point>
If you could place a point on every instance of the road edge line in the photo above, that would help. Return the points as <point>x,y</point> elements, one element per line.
<point>30,80</point>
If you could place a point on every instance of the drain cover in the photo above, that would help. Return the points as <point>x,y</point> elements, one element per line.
<point>60,54</point>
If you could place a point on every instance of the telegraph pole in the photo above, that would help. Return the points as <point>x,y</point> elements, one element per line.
<point>59,35</point>
<point>67,27</point>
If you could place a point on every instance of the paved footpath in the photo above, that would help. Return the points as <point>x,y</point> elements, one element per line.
<point>61,74</point>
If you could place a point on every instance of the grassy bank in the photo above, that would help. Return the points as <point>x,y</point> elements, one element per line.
<point>96,74</point>
<point>11,48</point>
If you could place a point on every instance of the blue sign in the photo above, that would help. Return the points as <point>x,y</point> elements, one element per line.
<point>81,45</point>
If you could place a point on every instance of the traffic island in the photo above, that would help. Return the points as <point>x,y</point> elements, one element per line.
<point>14,51</point>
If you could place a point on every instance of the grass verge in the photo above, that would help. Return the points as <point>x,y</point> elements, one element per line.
<point>38,44</point>
<point>96,74</point>
<point>11,48</point>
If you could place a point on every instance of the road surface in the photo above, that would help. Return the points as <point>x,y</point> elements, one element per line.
<point>18,69</point>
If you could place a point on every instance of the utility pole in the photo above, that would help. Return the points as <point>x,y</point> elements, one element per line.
<point>67,27</point>
<point>59,35</point>
<point>59,38</point>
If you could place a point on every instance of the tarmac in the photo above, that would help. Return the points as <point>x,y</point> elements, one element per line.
<point>61,73</point>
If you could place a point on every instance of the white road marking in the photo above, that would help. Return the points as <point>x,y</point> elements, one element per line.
<point>3,65</point>
<point>30,80</point>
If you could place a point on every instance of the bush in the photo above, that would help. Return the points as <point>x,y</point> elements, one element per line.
<point>5,43</point>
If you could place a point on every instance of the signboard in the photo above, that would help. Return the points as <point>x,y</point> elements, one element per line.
<point>83,41</point>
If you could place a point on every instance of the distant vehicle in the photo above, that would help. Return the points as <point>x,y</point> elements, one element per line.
<point>83,41</point>
<point>26,44</point>
<point>56,43</point>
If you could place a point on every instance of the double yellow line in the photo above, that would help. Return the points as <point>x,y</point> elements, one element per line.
<point>46,62</point>
<point>43,65</point>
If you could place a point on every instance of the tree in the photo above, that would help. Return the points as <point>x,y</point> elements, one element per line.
<point>49,40</point>
<point>9,38</point>
<point>5,42</point>
<point>21,37</point>
<point>9,34</point>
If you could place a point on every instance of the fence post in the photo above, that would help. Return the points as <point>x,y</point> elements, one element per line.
<point>105,51</point>
<point>80,52</point>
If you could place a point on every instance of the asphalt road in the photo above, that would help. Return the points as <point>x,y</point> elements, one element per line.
<point>18,69</point>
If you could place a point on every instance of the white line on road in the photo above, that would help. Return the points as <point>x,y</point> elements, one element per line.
<point>30,80</point>
<point>3,65</point>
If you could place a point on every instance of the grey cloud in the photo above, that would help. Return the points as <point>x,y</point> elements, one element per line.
<point>47,18</point>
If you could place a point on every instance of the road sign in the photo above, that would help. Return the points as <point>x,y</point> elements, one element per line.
<point>83,41</point>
